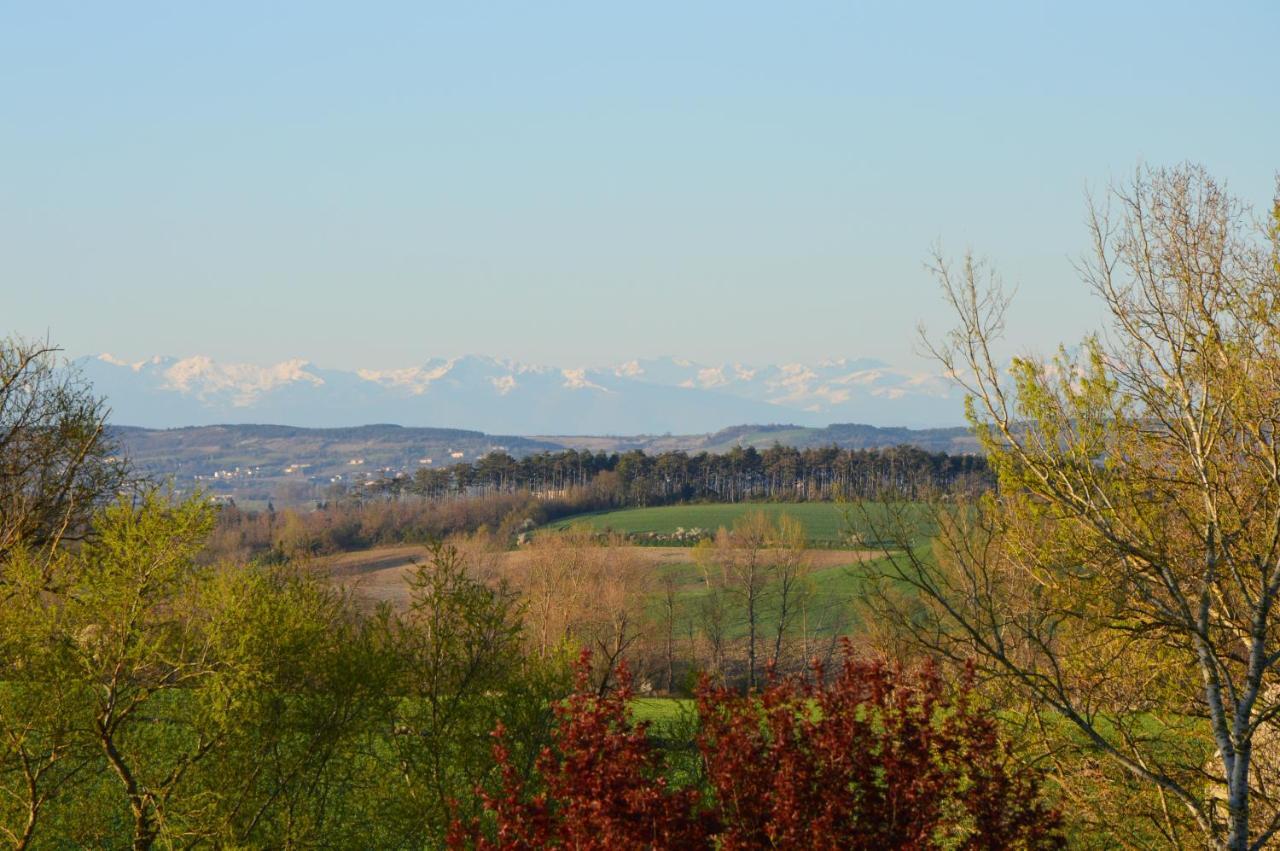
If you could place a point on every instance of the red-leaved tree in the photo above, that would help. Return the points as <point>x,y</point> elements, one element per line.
<point>873,758</point>
<point>602,786</point>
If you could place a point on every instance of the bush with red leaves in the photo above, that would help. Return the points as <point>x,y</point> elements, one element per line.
<point>870,759</point>
<point>602,786</point>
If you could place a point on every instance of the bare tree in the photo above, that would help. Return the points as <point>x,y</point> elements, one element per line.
<point>615,617</point>
<point>56,460</point>
<point>1122,581</point>
<point>789,576</point>
<point>583,592</point>
<point>713,606</point>
<point>667,582</point>
<point>552,577</point>
<point>743,558</point>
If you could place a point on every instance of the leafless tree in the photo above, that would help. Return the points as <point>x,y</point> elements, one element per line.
<point>57,461</point>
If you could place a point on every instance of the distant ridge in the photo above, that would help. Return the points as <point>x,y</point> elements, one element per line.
<point>256,463</point>
<point>954,440</point>
<point>372,431</point>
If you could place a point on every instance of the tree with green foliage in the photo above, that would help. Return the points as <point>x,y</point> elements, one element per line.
<point>152,700</point>
<point>461,669</point>
<point>312,686</point>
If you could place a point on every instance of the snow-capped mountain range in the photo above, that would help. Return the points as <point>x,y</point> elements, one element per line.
<point>500,396</point>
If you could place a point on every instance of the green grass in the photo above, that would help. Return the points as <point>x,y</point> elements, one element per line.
<point>828,608</point>
<point>824,522</point>
<point>831,589</point>
<point>661,710</point>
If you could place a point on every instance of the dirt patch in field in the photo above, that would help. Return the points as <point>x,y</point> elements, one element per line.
<point>363,562</point>
<point>379,574</point>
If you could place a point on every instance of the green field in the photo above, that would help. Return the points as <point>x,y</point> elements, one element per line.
<point>662,710</point>
<point>829,602</point>
<point>832,586</point>
<point>824,522</point>
<point>837,564</point>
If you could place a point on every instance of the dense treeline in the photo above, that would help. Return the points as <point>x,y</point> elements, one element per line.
<point>354,524</point>
<point>506,496</point>
<point>780,473</point>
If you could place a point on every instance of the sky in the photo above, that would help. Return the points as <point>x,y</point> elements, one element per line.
<point>376,184</point>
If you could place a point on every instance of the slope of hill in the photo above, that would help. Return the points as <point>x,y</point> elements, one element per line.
<point>260,462</point>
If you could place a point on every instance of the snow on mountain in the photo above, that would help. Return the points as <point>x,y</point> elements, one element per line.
<point>473,391</point>
<point>242,383</point>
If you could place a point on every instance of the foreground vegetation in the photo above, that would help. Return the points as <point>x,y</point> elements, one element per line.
<point>156,694</point>
<point>153,701</point>
<point>791,768</point>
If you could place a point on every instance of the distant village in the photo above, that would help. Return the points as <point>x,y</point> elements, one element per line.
<point>315,479</point>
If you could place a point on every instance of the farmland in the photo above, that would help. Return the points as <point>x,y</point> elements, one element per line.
<point>379,574</point>
<point>672,584</point>
<point>826,524</point>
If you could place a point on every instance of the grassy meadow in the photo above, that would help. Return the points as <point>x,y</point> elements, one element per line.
<point>825,523</point>
<point>832,586</point>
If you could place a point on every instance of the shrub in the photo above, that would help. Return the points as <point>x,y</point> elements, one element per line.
<point>602,786</point>
<point>873,758</point>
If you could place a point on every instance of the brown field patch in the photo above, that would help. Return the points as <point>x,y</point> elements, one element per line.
<point>378,574</point>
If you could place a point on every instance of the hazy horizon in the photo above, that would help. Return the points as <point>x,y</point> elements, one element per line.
<point>579,185</point>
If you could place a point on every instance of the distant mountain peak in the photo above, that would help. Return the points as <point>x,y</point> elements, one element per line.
<point>506,396</point>
<point>136,366</point>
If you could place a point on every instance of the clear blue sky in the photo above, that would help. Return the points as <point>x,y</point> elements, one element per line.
<point>373,184</point>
